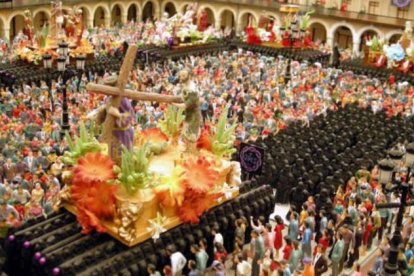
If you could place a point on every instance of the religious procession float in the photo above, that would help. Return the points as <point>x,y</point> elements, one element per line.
<point>136,184</point>
<point>398,56</point>
<point>66,26</point>
<point>292,32</point>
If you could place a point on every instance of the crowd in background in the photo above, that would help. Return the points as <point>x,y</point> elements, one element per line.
<point>260,99</point>
<point>310,241</point>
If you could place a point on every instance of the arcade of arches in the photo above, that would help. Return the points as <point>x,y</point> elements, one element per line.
<point>224,16</point>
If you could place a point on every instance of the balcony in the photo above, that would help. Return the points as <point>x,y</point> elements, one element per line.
<point>363,18</point>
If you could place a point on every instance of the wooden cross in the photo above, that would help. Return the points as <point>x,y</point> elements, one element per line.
<point>117,92</point>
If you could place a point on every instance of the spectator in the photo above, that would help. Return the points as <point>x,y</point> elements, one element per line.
<point>258,252</point>
<point>201,258</point>
<point>337,254</point>
<point>320,263</point>
<point>243,267</point>
<point>278,241</point>
<point>193,269</point>
<point>295,257</point>
<point>178,261</point>
<point>293,229</point>
<point>379,263</point>
<point>151,270</point>
<point>306,241</point>
<point>217,237</point>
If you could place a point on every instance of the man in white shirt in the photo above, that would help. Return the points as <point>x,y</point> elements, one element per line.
<point>244,268</point>
<point>178,261</point>
<point>218,238</point>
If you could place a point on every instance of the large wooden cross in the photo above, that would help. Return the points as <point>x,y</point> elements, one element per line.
<point>117,92</point>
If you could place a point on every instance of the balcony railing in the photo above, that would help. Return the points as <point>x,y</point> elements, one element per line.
<point>320,11</point>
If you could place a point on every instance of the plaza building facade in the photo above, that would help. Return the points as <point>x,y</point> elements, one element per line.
<point>337,22</point>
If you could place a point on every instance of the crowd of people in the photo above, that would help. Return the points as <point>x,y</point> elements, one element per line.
<point>310,241</point>
<point>260,99</point>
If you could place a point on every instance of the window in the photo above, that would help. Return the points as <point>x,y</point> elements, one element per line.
<point>373,7</point>
<point>402,12</point>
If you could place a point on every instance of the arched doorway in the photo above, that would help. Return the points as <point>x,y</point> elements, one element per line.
<point>170,9</point>
<point>368,34</point>
<point>245,19</point>
<point>227,20</point>
<point>16,25</point>
<point>394,38</point>
<point>148,11</point>
<point>116,17</point>
<point>41,19</point>
<point>99,17</point>
<point>343,37</point>
<point>318,32</point>
<point>132,13</point>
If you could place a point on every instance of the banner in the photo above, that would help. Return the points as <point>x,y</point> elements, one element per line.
<point>251,158</point>
<point>401,3</point>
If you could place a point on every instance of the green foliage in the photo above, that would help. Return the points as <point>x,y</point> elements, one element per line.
<point>171,124</point>
<point>223,139</point>
<point>304,23</point>
<point>376,44</point>
<point>79,146</point>
<point>133,173</point>
<point>42,36</point>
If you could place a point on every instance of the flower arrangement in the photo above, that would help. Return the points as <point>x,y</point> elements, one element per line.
<point>190,188</point>
<point>375,44</point>
<point>133,173</point>
<point>79,146</point>
<point>172,123</point>
<point>91,191</point>
<point>220,140</point>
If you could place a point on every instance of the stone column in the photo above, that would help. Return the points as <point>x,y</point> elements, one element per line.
<point>107,21</point>
<point>6,32</point>
<point>355,47</point>
<point>124,18</point>
<point>330,41</point>
<point>217,24</point>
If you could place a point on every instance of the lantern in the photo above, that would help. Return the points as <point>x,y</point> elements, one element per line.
<point>61,63</point>
<point>409,155</point>
<point>386,168</point>
<point>80,62</point>
<point>47,61</point>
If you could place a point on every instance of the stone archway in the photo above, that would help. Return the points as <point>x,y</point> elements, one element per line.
<point>99,17</point>
<point>170,9</point>
<point>227,20</point>
<point>318,32</point>
<point>16,25</point>
<point>343,37</point>
<point>40,19</point>
<point>132,13</point>
<point>148,11</point>
<point>116,15</point>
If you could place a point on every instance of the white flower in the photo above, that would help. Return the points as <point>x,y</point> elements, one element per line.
<point>156,227</point>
